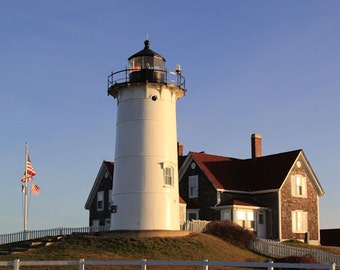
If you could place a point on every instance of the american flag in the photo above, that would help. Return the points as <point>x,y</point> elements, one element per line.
<point>30,171</point>
<point>35,189</point>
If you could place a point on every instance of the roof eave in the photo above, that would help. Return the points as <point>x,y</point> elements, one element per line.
<point>95,186</point>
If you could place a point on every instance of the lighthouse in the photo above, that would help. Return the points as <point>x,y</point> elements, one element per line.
<point>145,192</point>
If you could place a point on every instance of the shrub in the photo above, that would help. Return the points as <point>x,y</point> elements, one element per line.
<point>297,259</point>
<point>230,232</point>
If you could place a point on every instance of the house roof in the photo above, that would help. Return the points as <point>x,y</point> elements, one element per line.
<point>269,172</point>
<point>106,167</point>
<point>249,175</point>
<point>224,172</point>
<point>181,200</point>
<point>242,202</point>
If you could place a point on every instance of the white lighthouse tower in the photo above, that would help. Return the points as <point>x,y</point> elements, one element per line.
<point>145,186</point>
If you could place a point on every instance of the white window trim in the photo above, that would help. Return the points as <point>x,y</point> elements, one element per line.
<point>165,167</point>
<point>192,211</point>
<point>193,186</point>
<point>246,218</point>
<point>299,221</point>
<point>303,183</point>
<point>109,199</point>
<point>107,221</point>
<point>100,194</point>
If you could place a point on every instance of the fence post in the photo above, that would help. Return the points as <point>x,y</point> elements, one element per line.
<point>333,266</point>
<point>143,264</point>
<point>205,265</point>
<point>16,264</point>
<point>270,265</point>
<point>82,264</point>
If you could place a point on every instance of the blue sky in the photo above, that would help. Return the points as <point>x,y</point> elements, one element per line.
<point>268,67</point>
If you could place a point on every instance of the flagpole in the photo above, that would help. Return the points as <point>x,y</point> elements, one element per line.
<point>26,188</point>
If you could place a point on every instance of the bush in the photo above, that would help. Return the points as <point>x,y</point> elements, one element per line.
<point>297,259</point>
<point>230,232</point>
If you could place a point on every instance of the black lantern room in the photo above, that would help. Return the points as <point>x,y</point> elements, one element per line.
<point>146,65</point>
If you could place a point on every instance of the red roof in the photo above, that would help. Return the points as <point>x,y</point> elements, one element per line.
<point>261,173</point>
<point>110,167</point>
<point>243,202</point>
<point>181,200</point>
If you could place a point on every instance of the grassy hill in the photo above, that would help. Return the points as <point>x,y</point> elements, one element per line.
<point>195,246</point>
<point>224,242</point>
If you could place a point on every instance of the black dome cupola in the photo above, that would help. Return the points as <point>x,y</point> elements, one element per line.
<point>146,65</point>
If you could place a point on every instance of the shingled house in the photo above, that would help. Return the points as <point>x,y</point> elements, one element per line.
<point>276,196</point>
<point>99,200</point>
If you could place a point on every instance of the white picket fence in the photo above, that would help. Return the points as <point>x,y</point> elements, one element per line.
<point>193,225</point>
<point>34,234</point>
<point>266,247</point>
<point>16,264</point>
<point>275,249</point>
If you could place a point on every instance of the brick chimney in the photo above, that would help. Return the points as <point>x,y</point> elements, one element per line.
<point>256,145</point>
<point>179,149</point>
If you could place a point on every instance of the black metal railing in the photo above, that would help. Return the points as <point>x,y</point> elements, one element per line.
<point>146,75</point>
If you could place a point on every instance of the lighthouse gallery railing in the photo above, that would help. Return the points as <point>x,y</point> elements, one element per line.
<point>168,77</point>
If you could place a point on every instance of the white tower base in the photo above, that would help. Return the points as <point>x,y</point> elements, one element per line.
<point>145,185</point>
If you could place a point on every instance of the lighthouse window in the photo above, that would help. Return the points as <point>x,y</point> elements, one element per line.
<point>168,176</point>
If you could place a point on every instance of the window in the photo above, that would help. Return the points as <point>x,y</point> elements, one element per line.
<point>225,214</point>
<point>192,214</point>
<point>299,186</point>
<point>261,219</point>
<point>245,219</point>
<point>107,221</point>
<point>250,220</point>
<point>110,199</point>
<point>168,176</point>
<point>299,221</point>
<point>193,186</point>
<point>100,200</point>
<point>95,223</point>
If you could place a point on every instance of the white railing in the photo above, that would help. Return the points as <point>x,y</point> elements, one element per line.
<point>144,263</point>
<point>33,234</point>
<point>275,249</point>
<point>194,225</point>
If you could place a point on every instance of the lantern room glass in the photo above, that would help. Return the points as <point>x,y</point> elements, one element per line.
<point>146,62</point>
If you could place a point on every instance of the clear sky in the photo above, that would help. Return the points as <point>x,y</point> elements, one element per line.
<point>268,67</point>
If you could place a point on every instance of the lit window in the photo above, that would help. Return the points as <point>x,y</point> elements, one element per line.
<point>250,220</point>
<point>241,218</point>
<point>299,188</point>
<point>299,221</point>
<point>100,200</point>
<point>245,219</point>
<point>193,186</point>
